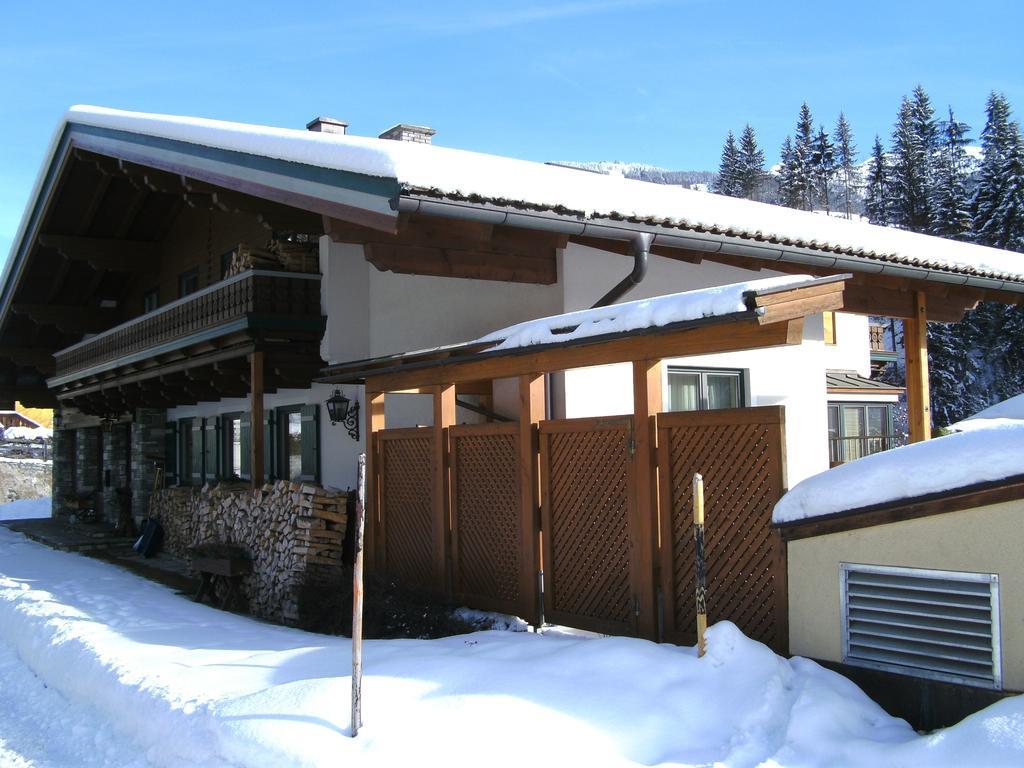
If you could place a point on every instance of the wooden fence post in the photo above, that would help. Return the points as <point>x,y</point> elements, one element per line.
<point>357,601</point>
<point>698,535</point>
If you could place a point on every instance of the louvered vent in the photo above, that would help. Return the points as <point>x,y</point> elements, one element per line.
<point>938,624</point>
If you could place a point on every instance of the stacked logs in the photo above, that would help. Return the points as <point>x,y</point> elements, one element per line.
<point>294,534</point>
<point>278,255</point>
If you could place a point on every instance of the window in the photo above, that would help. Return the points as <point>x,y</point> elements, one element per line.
<point>298,443</point>
<point>692,389</point>
<point>185,448</point>
<point>231,433</point>
<point>942,625</point>
<point>150,300</point>
<point>225,263</point>
<point>188,282</point>
<point>859,429</point>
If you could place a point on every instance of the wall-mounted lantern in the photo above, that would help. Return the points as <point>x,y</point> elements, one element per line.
<point>343,411</point>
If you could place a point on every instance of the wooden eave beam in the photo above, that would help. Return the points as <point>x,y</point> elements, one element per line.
<point>724,337</point>
<point>36,357</point>
<point>105,254</point>
<point>77,320</point>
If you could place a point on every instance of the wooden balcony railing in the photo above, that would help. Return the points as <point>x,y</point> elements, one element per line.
<point>223,307</point>
<point>843,449</point>
<point>879,340</point>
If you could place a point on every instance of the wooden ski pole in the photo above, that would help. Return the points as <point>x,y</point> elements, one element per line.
<point>698,535</point>
<point>357,600</point>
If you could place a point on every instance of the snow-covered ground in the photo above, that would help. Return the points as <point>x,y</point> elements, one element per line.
<point>23,509</point>
<point>126,661</point>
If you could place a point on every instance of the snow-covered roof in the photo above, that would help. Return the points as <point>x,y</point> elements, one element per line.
<point>638,315</point>
<point>1008,412</point>
<point>959,460</point>
<point>470,176</point>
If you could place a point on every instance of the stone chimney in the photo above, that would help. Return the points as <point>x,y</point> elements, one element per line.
<point>327,125</point>
<point>419,134</point>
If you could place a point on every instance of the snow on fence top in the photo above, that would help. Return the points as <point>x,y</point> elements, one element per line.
<point>990,453</point>
<point>636,315</point>
<point>460,174</point>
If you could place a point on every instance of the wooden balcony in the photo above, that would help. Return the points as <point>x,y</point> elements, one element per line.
<point>250,303</point>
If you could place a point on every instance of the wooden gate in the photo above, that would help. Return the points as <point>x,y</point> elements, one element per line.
<point>740,454</point>
<point>491,567</point>
<point>588,519</point>
<point>409,547</point>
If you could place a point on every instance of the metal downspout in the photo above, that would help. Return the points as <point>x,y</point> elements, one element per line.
<point>640,245</point>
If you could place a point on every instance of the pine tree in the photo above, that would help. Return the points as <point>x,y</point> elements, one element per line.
<point>790,191</point>
<point>846,152</point>
<point>751,164</point>
<point>823,160</point>
<point>913,141</point>
<point>998,204</point>
<point>728,182</point>
<point>949,205</point>
<point>876,195</point>
<point>803,159</point>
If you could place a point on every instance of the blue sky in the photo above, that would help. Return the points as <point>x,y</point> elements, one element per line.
<point>635,80</point>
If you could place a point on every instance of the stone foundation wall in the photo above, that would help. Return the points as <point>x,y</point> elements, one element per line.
<point>149,444</point>
<point>115,471</point>
<point>294,534</point>
<point>63,463</point>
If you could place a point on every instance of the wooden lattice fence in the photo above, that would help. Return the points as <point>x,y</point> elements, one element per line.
<point>740,454</point>
<point>490,567</point>
<point>409,548</point>
<point>587,491</point>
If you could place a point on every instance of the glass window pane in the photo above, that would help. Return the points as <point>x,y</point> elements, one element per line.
<point>876,420</point>
<point>683,391</point>
<point>853,421</point>
<point>723,390</point>
<point>833,421</point>
<point>236,448</point>
<point>293,446</point>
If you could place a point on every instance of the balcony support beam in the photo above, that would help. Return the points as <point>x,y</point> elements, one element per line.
<point>915,343</point>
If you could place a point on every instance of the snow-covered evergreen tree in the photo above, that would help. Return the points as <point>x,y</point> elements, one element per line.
<point>876,194</point>
<point>846,152</point>
<point>750,164</point>
<point>803,159</point>
<point>790,191</point>
<point>949,204</point>
<point>823,160</point>
<point>913,140</point>
<point>729,182</point>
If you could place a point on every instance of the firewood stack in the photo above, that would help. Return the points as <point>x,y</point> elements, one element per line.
<point>294,533</point>
<point>277,256</point>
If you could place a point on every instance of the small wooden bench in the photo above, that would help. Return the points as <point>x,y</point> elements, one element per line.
<point>226,569</point>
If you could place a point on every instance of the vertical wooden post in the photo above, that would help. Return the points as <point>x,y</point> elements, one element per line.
<point>647,401</point>
<point>698,538</point>
<point>256,418</point>
<point>444,417</point>
<point>915,346</point>
<point>531,413</point>
<point>374,415</point>
<point>357,600</point>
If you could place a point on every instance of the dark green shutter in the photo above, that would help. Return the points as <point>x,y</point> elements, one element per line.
<point>213,452</point>
<point>171,454</point>
<point>246,441</point>
<point>197,451</point>
<point>310,443</point>
<point>269,446</point>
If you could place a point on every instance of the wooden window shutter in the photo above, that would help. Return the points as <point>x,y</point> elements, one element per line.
<point>213,454</point>
<point>311,443</point>
<point>245,431</point>
<point>197,451</point>
<point>171,454</point>
<point>269,446</point>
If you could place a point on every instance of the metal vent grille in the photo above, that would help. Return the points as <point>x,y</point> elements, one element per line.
<point>938,624</point>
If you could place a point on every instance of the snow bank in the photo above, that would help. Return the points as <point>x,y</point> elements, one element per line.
<point>22,509</point>
<point>941,464</point>
<point>636,315</point>
<point>461,173</point>
<point>196,686</point>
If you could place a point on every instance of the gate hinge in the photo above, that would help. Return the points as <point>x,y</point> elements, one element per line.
<point>632,447</point>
